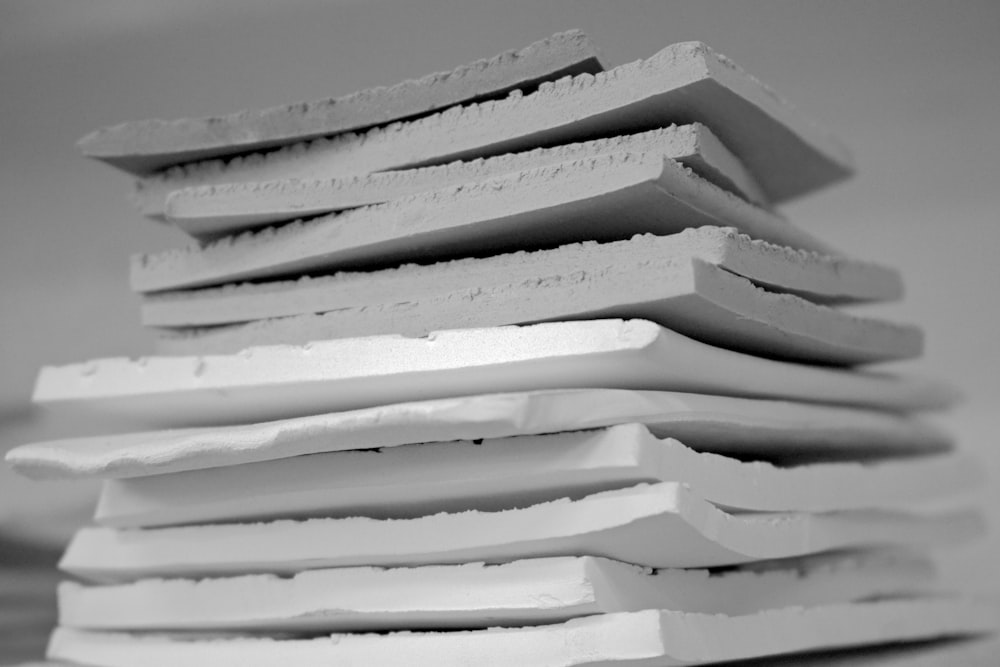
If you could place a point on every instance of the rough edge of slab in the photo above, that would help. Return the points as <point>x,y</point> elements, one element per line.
<point>499,474</point>
<point>642,639</point>
<point>819,278</point>
<point>709,423</point>
<point>144,146</point>
<point>476,595</point>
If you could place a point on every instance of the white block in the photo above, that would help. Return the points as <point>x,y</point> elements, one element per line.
<point>741,427</point>
<point>683,83</point>
<point>607,198</point>
<point>217,210</point>
<point>144,146</point>
<point>473,595</point>
<point>657,525</point>
<point>280,381</point>
<point>691,297</point>
<point>637,639</point>
<point>493,475</point>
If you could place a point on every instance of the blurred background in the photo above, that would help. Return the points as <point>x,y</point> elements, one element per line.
<point>910,85</point>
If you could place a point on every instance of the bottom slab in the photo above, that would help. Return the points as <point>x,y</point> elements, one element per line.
<point>644,638</point>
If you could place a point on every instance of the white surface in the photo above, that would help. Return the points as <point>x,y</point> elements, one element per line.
<point>282,381</point>
<point>787,154</point>
<point>498,474</point>
<point>637,639</point>
<point>474,595</point>
<point>215,210</point>
<point>143,146</point>
<point>656,525</point>
<point>605,198</point>
<point>738,426</point>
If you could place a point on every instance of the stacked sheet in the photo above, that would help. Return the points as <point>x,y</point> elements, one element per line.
<point>511,365</point>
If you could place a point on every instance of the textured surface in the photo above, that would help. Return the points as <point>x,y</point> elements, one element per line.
<point>607,198</point>
<point>683,83</point>
<point>474,595</point>
<point>498,474</point>
<point>282,381</point>
<point>774,429</point>
<point>655,525</point>
<point>216,210</point>
<point>148,145</point>
<point>637,639</point>
<point>692,297</point>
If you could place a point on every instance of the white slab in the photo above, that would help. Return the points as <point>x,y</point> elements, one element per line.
<point>215,210</point>
<point>606,198</point>
<point>656,525</point>
<point>691,297</point>
<point>819,278</point>
<point>473,595</point>
<point>498,474</point>
<point>775,430</point>
<point>279,381</point>
<point>637,639</point>
<point>148,145</point>
<point>788,155</point>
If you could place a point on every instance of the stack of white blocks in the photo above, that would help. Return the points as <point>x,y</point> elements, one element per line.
<point>511,365</point>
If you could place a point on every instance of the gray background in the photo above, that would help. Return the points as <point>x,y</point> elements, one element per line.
<point>912,86</point>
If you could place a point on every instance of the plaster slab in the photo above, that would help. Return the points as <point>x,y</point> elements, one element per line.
<point>217,210</point>
<point>691,297</point>
<point>687,82</point>
<point>498,474</point>
<point>474,595</point>
<point>282,381</point>
<point>637,639</point>
<point>144,146</point>
<point>656,525</point>
<point>819,278</point>
<point>606,198</point>
<point>775,430</point>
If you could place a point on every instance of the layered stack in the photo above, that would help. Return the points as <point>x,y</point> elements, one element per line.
<point>708,478</point>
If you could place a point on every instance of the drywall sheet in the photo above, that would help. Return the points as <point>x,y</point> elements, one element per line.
<point>774,430</point>
<point>637,639</point>
<point>654,525</point>
<point>145,146</point>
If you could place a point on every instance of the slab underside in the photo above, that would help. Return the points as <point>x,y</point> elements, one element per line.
<point>691,297</point>
<point>497,474</point>
<point>774,430</point>
<point>144,146</point>
<point>216,210</point>
<point>683,83</point>
<point>819,278</point>
<point>645,638</point>
<point>607,198</point>
<point>655,525</point>
<point>281,381</point>
<point>474,595</point>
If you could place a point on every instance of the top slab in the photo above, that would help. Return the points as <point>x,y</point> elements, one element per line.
<point>145,146</point>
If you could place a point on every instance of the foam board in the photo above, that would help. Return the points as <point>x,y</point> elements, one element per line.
<point>655,525</point>
<point>217,210</point>
<point>607,198</point>
<point>281,381</point>
<point>474,595</point>
<point>645,638</point>
<point>819,278</point>
<point>692,297</point>
<point>498,474</point>
<point>788,155</point>
<point>145,146</point>
<point>775,430</point>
